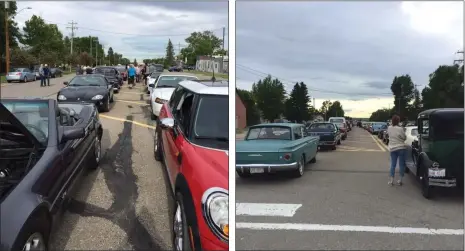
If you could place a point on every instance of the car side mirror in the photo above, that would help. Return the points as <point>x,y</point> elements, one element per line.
<point>152,85</point>
<point>66,83</point>
<point>70,133</point>
<point>167,123</point>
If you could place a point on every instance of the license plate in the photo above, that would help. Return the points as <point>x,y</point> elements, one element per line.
<point>256,170</point>
<point>437,172</point>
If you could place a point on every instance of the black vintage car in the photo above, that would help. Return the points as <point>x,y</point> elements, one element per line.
<point>436,158</point>
<point>112,74</point>
<point>329,134</point>
<point>45,148</point>
<point>94,88</point>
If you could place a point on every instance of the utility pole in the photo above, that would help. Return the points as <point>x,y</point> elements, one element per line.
<point>72,27</point>
<point>7,39</point>
<point>90,54</point>
<point>458,61</point>
<point>96,52</point>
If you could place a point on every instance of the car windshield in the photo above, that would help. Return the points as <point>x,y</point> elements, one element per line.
<point>17,70</point>
<point>336,120</point>
<point>88,80</point>
<point>448,129</point>
<point>33,115</point>
<point>172,81</point>
<point>269,132</point>
<point>321,127</point>
<point>212,118</point>
<point>105,71</point>
<point>414,132</point>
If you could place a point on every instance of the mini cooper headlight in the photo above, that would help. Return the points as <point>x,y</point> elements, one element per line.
<point>61,97</point>
<point>215,207</point>
<point>97,97</point>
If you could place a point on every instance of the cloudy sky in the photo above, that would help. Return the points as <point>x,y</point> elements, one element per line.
<point>346,51</point>
<point>136,30</point>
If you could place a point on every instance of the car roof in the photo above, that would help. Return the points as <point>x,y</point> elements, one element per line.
<point>206,87</point>
<point>441,111</point>
<point>278,125</point>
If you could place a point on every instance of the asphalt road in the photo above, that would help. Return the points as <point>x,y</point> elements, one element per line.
<point>125,204</point>
<point>343,202</point>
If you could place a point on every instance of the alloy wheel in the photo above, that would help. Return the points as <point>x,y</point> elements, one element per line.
<point>178,228</point>
<point>34,242</point>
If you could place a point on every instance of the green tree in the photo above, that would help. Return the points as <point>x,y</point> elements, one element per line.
<point>325,108</point>
<point>110,55</point>
<point>201,44</point>
<point>297,106</point>
<point>135,62</point>
<point>169,54</point>
<point>335,110</point>
<point>445,88</point>
<point>21,57</point>
<point>252,112</point>
<point>269,96</point>
<point>402,88</point>
<point>381,115</point>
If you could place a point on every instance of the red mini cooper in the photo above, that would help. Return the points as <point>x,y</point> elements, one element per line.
<point>191,139</point>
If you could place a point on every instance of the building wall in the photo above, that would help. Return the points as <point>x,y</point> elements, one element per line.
<point>241,114</point>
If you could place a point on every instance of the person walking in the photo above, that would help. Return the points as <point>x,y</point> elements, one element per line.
<point>46,74</point>
<point>131,75</point>
<point>397,149</point>
<point>41,75</point>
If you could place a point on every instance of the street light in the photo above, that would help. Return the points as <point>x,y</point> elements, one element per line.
<point>7,38</point>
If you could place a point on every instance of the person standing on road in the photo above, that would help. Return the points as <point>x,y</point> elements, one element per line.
<point>46,74</point>
<point>397,149</point>
<point>131,74</point>
<point>41,75</point>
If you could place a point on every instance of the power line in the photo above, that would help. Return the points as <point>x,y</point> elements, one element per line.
<point>289,83</point>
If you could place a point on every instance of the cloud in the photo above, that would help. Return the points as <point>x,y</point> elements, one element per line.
<point>137,30</point>
<point>345,50</point>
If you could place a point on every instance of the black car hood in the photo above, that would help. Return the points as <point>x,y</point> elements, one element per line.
<point>13,130</point>
<point>83,92</point>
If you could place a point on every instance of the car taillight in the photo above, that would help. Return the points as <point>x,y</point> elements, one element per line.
<point>287,156</point>
<point>19,73</point>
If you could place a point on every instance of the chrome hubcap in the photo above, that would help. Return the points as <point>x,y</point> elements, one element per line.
<point>177,226</point>
<point>34,242</point>
<point>97,149</point>
<point>301,167</point>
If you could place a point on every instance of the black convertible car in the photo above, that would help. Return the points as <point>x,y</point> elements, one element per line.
<point>45,148</point>
<point>93,88</point>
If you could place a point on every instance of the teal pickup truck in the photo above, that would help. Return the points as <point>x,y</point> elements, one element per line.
<point>276,147</point>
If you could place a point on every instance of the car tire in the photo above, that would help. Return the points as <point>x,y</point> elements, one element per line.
<point>25,80</point>
<point>313,160</point>
<point>338,142</point>
<point>116,91</point>
<point>157,146</point>
<point>181,227</point>
<point>112,99</point>
<point>299,172</point>
<point>425,187</point>
<point>36,229</point>
<point>35,78</point>
<point>152,116</point>
<point>9,81</point>
<point>106,106</point>
<point>96,153</point>
<point>344,138</point>
<point>244,175</point>
<point>333,147</point>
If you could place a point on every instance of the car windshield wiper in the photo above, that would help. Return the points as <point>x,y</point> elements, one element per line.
<point>158,86</point>
<point>224,139</point>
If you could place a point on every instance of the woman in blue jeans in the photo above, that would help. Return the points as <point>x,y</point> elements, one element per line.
<point>397,148</point>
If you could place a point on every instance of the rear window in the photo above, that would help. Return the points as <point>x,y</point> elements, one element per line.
<point>322,126</point>
<point>257,133</point>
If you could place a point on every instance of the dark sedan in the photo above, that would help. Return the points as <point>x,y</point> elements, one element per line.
<point>175,69</point>
<point>112,74</point>
<point>46,148</point>
<point>329,134</point>
<point>94,88</point>
<point>56,72</point>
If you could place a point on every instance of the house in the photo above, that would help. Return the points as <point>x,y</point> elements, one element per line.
<point>241,114</point>
<point>219,64</point>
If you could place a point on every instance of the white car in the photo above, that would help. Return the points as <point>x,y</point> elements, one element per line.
<point>162,88</point>
<point>412,134</point>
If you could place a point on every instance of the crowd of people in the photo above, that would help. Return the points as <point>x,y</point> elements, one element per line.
<point>44,75</point>
<point>135,73</point>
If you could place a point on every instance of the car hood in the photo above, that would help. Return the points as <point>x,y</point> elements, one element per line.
<point>86,92</point>
<point>12,129</point>
<point>163,93</point>
<point>218,161</point>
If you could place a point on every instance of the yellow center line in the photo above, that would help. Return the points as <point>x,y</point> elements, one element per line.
<point>130,121</point>
<point>377,142</point>
<point>132,102</point>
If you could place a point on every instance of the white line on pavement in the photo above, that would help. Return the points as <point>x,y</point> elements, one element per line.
<point>347,228</point>
<point>265,209</point>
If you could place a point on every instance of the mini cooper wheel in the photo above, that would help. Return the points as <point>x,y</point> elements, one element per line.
<point>181,240</point>
<point>157,146</point>
<point>97,153</point>
<point>34,235</point>
<point>299,172</point>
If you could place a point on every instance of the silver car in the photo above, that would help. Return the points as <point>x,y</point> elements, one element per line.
<point>20,75</point>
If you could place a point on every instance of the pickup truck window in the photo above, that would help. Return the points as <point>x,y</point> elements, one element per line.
<point>258,133</point>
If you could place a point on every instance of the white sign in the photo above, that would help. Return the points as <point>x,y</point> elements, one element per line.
<point>7,5</point>
<point>433,172</point>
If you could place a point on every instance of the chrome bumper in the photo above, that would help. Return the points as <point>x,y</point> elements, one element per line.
<point>451,182</point>
<point>268,168</point>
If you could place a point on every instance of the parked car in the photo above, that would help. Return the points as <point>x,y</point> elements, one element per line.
<point>112,74</point>
<point>275,147</point>
<point>20,75</point>
<point>385,137</point>
<point>175,69</point>
<point>151,80</point>
<point>56,72</point>
<point>329,134</point>
<point>123,72</point>
<point>46,147</point>
<point>436,158</point>
<point>376,127</point>
<point>412,134</point>
<point>191,140</point>
<point>93,88</point>
<point>162,89</point>
<point>342,128</point>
